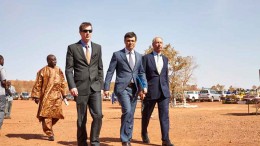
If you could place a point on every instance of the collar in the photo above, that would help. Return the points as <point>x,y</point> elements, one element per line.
<point>155,53</point>
<point>84,44</point>
<point>127,51</point>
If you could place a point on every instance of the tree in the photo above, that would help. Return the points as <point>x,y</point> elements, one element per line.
<point>180,70</point>
<point>218,87</point>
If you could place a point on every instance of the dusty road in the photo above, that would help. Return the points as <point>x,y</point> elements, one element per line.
<point>207,125</point>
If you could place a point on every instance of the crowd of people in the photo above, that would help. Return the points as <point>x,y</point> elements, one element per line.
<point>136,75</point>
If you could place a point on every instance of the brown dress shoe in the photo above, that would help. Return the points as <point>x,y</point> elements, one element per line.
<point>167,143</point>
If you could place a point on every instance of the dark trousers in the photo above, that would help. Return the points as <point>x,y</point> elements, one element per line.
<point>163,110</point>
<point>94,103</point>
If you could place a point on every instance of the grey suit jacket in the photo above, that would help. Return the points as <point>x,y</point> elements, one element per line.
<point>79,73</point>
<point>124,73</point>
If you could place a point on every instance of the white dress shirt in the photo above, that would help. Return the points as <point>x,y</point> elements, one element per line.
<point>158,61</point>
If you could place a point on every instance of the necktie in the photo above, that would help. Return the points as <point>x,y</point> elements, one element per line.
<point>87,54</point>
<point>131,61</point>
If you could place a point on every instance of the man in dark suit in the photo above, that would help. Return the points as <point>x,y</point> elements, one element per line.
<point>84,73</point>
<point>128,66</point>
<point>156,68</point>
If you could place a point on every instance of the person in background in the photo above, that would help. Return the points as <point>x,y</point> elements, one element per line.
<point>48,91</point>
<point>9,102</point>
<point>84,73</point>
<point>128,66</point>
<point>2,91</point>
<point>156,69</point>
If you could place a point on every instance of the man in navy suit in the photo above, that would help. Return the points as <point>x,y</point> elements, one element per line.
<point>156,68</point>
<point>128,66</point>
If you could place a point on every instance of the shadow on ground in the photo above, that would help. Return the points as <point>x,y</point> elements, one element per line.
<point>27,136</point>
<point>241,114</point>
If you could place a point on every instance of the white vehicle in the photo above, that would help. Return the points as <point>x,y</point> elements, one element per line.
<point>209,95</point>
<point>222,93</point>
<point>191,95</point>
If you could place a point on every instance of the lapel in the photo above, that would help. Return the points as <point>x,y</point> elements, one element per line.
<point>93,52</point>
<point>151,58</point>
<point>81,52</point>
<point>136,60</point>
<point>164,62</point>
<point>123,56</point>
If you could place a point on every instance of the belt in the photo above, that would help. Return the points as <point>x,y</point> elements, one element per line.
<point>131,85</point>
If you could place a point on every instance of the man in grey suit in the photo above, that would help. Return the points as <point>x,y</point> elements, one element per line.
<point>128,66</point>
<point>156,68</point>
<point>84,73</point>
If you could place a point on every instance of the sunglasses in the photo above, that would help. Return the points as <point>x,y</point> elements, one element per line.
<point>90,31</point>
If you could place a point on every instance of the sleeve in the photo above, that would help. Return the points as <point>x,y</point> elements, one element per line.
<point>2,74</point>
<point>36,90</point>
<point>100,69</point>
<point>142,74</point>
<point>110,72</point>
<point>63,83</point>
<point>70,68</point>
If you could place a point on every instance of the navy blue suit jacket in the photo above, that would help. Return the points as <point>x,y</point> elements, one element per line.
<point>157,83</point>
<point>124,73</point>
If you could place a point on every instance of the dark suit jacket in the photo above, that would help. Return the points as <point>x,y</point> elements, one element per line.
<point>79,73</point>
<point>156,82</point>
<point>124,73</point>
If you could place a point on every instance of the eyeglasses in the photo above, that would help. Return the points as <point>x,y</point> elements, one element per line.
<point>90,31</point>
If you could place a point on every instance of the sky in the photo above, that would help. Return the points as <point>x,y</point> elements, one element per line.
<point>222,35</point>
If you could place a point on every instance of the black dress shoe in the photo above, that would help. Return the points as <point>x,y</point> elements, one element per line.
<point>167,143</point>
<point>51,138</point>
<point>126,144</point>
<point>145,139</point>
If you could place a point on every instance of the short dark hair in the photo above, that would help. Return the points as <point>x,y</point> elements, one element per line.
<point>1,57</point>
<point>130,35</point>
<point>84,24</point>
<point>50,55</point>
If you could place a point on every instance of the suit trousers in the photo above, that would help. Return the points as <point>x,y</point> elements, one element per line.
<point>127,100</point>
<point>2,109</point>
<point>94,102</point>
<point>163,110</point>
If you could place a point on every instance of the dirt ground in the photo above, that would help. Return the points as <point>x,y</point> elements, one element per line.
<point>207,125</point>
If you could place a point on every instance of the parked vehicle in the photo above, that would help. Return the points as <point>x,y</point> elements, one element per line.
<point>15,96</point>
<point>191,95</point>
<point>209,95</point>
<point>24,96</point>
<point>222,93</point>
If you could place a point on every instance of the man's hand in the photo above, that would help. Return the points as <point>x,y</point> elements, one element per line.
<point>74,92</point>
<point>3,83</point>
<point>106,93</point>
<point>141,95</point>
<point>145,90</point>
<point>36,100</point>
